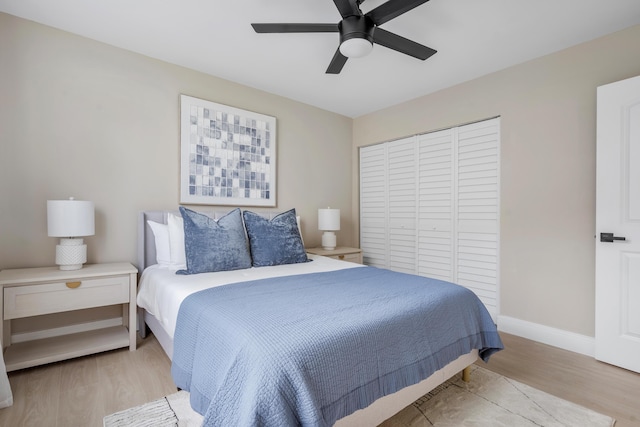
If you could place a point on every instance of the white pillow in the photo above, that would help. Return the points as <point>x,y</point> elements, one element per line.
<point>161,235</point>
<point>176,242</point>
<point>299,229</point>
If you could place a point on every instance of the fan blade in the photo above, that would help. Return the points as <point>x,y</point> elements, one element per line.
<point>337,63</point>
<point>348,8</point>
<point>295,28</point>
<point>400,44</point>
<point>389,10</point>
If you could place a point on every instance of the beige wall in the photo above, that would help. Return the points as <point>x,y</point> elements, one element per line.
<point>548,110</point>
<point>84,119</point>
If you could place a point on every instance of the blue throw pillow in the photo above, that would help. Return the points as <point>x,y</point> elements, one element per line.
<point>276,241</point>
<point>214,245</point>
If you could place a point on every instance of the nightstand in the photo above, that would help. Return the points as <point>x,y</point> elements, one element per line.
<point>29,292</point>
<point>342,253</point>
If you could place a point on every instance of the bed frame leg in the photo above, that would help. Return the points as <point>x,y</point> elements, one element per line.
<point>466,374</point>
<point>142,326</point>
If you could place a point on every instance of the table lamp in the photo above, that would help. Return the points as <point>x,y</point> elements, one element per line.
<point>70,220</point>
<point>329,221</point>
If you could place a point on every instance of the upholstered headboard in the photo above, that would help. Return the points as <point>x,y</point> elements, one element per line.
<point>146,239</point>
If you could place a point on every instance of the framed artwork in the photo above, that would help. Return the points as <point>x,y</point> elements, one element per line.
<point>227,155</point>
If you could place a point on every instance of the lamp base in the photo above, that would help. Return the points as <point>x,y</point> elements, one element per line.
<point>71,254</point>
<point>328,240</point>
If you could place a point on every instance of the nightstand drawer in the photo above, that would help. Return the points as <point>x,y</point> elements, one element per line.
<point>45,298</point>
<point>341,253</point>
<point>348,257</point>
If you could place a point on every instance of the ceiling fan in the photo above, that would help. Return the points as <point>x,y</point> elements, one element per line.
<point>359,31</point>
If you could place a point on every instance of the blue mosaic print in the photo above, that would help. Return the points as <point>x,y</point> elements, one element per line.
<point>229,155</point>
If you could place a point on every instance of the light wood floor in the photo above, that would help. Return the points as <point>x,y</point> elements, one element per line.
<point>81,392</point>
<point>577,378</point>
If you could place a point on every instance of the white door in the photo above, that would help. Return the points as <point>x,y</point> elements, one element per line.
<point>436,208</point>
<point>477,230</point>
<point>401,207</point>
<point>618,213</point>
<point>373,205</point>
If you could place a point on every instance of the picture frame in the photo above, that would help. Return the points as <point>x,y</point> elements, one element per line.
<point>227,155</point>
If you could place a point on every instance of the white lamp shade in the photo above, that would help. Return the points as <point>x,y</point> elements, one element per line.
<point>329,219</point>
<point>70,218</point>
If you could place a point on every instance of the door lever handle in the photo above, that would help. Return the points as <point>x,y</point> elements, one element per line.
<point>609,237</point>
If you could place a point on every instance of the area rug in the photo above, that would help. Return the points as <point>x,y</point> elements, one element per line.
<point>488,399</point>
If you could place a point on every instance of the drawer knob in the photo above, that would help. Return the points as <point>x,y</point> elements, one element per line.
<point>73,285</point>
<point>341,256</point>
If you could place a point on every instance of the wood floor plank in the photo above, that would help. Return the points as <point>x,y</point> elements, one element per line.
<point>121,384</point>
<point>13,415</point>
<point>38,394</point>
<point>151,360</point>
<point>74,404</point>
<point>80,389</point>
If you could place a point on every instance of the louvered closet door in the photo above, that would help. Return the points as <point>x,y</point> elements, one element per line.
<point>430,205</point>
<point>478,208</point>
<point>402,192</point>
<point>373,205</point>
<point>436,205</point>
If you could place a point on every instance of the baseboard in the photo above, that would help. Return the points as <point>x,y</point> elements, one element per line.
<point>547,335</point>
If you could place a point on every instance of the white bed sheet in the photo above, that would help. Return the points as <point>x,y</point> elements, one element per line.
<point>161,291</point>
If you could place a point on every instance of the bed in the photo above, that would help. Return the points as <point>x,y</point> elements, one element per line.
<point>164,297</point>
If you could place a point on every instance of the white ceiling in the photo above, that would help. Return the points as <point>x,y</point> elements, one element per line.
<point>473,38</point>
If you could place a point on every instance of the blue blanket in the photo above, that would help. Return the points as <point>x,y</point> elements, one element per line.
<point>311,349</point>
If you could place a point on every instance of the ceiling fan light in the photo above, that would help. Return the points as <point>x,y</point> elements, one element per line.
<point>356,47</point>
